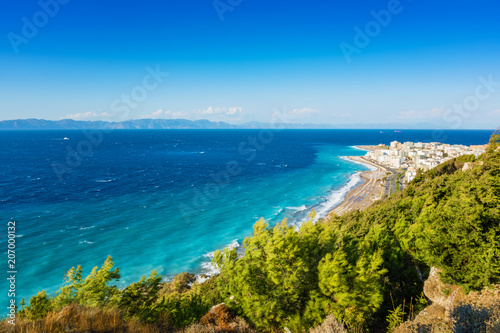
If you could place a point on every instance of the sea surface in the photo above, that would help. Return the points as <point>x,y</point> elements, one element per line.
<point>167,199</point>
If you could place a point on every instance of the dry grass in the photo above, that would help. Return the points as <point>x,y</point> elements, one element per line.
<point>330,325</point>
<point>78,319</point>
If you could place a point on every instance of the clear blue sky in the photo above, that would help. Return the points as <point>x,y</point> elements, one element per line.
<point>238,61</point>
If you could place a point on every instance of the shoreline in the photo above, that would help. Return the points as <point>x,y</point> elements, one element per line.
<point>366,147</point>
<point>367,192</point>
<point>368,189</point>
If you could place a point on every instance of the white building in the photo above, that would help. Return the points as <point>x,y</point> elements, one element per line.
<point>411,173</point>
<point>420,156</point>
<point>396,162</point>
<point>395,145</point>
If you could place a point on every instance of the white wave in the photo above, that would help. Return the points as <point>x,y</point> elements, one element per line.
<point>85,228</point>
<point>208,268</point>
<point>336,197</point>
<point>86,242</point>
<point>298,209</point>
<point>104,180</point>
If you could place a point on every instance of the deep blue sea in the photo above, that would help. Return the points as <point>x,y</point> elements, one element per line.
<point>166,199</point>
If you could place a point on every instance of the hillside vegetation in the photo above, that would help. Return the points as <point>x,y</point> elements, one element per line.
<point>364,271</point>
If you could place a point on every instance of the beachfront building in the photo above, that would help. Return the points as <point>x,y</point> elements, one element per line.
<point>419,145</point>
<point>396,145</point>
<point>419,156</point>
<point>408,145</point>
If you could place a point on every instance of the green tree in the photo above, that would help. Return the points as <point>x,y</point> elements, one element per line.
<point>40,305</point>
<point>137,299</point>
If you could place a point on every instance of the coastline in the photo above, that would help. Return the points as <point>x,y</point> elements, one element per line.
<point>365,147</point>
<point>367,192</point>
<point>359,197</point>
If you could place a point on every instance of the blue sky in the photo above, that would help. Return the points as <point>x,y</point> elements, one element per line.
<point>314,61</point>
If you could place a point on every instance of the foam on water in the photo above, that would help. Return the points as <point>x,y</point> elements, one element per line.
<point>134,184</point>
<point>336,197</point>
<point>208,269</point>
<point>298,209</point>
<point>86,228</point>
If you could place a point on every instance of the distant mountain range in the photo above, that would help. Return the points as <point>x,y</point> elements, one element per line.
<point>70,124</point>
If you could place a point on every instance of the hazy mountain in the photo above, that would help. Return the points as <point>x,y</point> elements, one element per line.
<point>38,124</point>
<point>41,124</point>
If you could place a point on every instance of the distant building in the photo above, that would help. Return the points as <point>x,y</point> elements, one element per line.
<point>395,145</point>
<point>408,145</point>
<point>415,156</point>
<point>411,173</point>
<point>396,162</point>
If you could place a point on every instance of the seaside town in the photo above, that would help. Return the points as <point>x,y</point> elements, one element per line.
<point>413,156</point>
<point>395,166</point>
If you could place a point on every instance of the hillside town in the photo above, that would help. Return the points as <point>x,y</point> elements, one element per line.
<point>413,156</point>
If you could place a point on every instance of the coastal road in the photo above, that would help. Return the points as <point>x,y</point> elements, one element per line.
<point>390,185</point>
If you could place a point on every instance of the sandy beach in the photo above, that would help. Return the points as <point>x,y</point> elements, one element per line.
<point>366,193</point>
<point>366,148</point>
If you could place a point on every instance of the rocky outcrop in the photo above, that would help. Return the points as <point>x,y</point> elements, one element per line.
<point>470,165</point>
<point>441,293</point>
<point>467,166</point>
<point>454,311</point>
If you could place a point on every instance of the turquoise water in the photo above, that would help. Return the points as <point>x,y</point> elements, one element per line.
<point>152,200</point>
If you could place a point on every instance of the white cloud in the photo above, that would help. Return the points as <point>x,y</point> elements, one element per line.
<point>83,115</point>
<point>107,115</point>
<point>494,113</point>
<point>176,115</point>
<point>160,114</point>
<point>426,114</point>
<point>220,111</point>
<point>155,115</point>
<point>301,113</point>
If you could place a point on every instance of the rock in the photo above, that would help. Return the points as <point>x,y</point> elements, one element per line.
<point>453,311</point>
<point>219,315</point>
<point>467,166</point>
<point>441,293</point>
